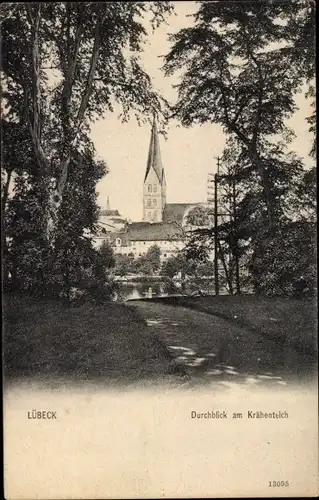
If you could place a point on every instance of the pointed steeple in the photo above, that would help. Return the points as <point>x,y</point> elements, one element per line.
<point>108,206</point>
<point>154,185</point>
<point>154,154</point>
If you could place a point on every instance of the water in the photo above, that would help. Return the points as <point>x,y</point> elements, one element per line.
<point>140,290</point>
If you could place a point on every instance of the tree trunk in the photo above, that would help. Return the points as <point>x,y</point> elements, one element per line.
<point>258,163</point>
<point>3,235</point>
<point>6,192</point>
<point>57,194</point>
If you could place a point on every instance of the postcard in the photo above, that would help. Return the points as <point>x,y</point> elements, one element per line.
<point>159,250</point>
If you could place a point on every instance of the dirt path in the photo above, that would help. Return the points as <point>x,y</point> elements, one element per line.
<point>210,348</point>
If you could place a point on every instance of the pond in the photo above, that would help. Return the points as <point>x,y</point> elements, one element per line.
<point>129,290</point>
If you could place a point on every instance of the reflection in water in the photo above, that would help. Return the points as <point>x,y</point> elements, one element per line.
<point>140,290</point>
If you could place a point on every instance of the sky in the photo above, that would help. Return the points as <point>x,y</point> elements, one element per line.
<point>188,154</point>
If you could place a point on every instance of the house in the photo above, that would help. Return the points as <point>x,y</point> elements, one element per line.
<point>140,236</point>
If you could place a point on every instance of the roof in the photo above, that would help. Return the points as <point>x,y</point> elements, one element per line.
<point>145,231</point>
<point>109,212</point>
<point>154,155</point>
<point>123,235</point>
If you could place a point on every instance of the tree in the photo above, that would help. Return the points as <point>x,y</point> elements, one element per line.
<point>93,50</point>
<point>242,64</point>
<point>153,255</point>
<point>239,70</point>
<point>186,266</point>
<point>149,263</point>
<point>125,264</point>
<point>301,31</point>
<point>306,196</point>
<point>107,254</point>
<point>33,265</point>
<point>199,216</point>
<point>6,10</point>
<point>172,266</point>
<point>64,65</point>
<point>243,232</point>
<point>286,264</point>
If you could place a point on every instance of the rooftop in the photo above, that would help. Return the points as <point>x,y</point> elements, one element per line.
<point>109,213</point>
<point>143,231</point>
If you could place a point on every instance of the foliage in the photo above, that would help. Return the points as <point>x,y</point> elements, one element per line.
<point>124,264</point>
<point>107,255</point>
<point>185,266</point>
<point>199,216</point>
<point>151,261</point>
<point>285,263</point>
<point>306,195</point>
<point>71,62</point>
<point>31,263</point>
<point>241,65</point>
<point>175,265</point>
<point>65,64</point>
<point>147,264</point>
<point>243,233</point>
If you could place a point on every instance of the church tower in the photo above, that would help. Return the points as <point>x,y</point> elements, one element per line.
<point>154,187</point>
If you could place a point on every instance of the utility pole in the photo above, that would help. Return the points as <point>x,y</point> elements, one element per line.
<point>216,228</point>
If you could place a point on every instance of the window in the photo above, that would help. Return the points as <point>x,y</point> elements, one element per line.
<point>118,241</point>
<point>149,202</point>
<point>150,188</point>
<point>155,216</point>
<point>154,188</point>
<point>154,202</point>
<point>149,215</point>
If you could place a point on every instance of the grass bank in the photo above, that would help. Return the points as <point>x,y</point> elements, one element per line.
<point>284,320</point>
<point>109,340</point>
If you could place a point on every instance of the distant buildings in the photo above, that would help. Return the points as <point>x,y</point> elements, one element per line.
<point>110,221</point>
<point>164,224</point>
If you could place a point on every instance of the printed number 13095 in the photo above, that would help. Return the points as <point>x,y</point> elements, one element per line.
<point>278,484</point>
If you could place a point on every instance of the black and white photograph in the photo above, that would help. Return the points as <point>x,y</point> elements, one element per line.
<point>159,258</point>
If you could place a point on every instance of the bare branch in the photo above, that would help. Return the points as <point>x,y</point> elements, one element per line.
<point>72,61</point>
<point>92,70</point>
<point>261,83</point>
<point>84,103</point>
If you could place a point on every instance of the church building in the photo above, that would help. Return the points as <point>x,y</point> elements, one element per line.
<point>163,224</point>
<point>154,187</point>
